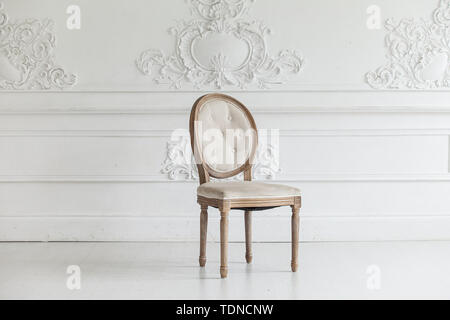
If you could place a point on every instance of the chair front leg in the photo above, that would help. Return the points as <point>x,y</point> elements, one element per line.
<point>203,235</point>
<point>295,229</point>
<point>224,241</point>
<point>248,237</point>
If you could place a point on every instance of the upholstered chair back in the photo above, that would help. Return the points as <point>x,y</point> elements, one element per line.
<point>223,136</point>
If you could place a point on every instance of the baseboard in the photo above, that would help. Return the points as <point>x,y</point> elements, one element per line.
<point>265,229</point>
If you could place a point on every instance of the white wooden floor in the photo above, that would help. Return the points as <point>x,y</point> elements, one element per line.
<point>170,271</point>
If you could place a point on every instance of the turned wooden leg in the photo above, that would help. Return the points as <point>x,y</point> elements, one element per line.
<point>224,242</point>
<point>203,232</point>
<point>295,228</point>
<point>248,236</point>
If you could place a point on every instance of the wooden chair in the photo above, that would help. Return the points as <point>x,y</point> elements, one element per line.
<point>214,118</point>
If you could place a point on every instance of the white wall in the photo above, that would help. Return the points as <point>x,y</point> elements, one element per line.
<point>84,163</point>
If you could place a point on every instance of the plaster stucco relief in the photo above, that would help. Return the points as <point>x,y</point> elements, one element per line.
<point>220,47</point>
<point>27,56</point>
<point>417,52</point>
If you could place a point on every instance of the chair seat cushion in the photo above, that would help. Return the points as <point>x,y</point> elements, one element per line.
<point>245,190</point>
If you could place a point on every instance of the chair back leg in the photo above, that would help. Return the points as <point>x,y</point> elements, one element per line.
<point>248,237</point>
<point>203,235</point>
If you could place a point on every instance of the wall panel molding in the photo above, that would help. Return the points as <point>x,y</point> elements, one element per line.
<point>283,133</point>
<point>280,101</point>
<point>136,110</point>
<point>281,177</point>
<point>85,163</point>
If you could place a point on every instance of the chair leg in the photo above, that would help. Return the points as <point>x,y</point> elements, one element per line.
<point>295,229</point>
<point>248,236</point>
<point>203,235</point>
<point>224,242</point>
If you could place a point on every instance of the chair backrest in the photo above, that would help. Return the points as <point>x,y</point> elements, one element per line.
<point>224,137</point>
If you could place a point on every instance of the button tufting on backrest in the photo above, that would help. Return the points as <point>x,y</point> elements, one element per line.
<point>226,144</point>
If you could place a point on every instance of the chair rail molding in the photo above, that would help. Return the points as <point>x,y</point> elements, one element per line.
<point>179,163</point>
<point>219,48</point>
<point>418,53</point>
<point>27,56</point>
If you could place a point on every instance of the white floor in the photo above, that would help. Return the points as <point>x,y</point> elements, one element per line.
<point>170,271</point>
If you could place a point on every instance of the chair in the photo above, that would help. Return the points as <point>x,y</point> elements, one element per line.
<point>224,140</point>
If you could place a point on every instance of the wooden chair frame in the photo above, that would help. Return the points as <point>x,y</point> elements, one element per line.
<point>248,205</point>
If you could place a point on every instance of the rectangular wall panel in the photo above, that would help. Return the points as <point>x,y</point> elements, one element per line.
<point>116,154</point>
<point>321,198</point>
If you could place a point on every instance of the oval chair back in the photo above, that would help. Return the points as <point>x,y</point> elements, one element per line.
<point>224,137</point>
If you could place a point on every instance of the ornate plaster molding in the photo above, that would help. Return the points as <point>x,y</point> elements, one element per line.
<point>267,164</point>
<point>222,24</point>
<point>418,53</point>
<point>179,163</point>
<point>27,57</point>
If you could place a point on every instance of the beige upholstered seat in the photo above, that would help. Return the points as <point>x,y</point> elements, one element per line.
<point>245,190</point>
<point>224,139</point>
